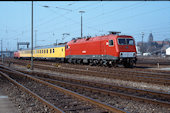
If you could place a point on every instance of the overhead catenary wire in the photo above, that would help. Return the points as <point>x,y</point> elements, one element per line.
<point>18,34</point>
<point>88,19</point>
<point>60,15</point>
<point>94,27</point>
<point>134,16</point>
<point>56,25</point>
<point>115,11</point>
<point>64,14</point>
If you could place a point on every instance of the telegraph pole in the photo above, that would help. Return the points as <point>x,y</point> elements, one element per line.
<point>32,65</point>
<point>2,54</point>
<point>81,23</point>
<point>142,43</point>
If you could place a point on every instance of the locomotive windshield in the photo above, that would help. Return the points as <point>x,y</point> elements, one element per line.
<point>125,41</point>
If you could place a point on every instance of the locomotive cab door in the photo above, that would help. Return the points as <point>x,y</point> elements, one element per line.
<point>110,47</point>
<point>67,50</point>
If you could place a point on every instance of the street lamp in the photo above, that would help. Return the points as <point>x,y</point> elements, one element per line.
<point>81,23</point>
<point>142,43</point>
<point>46,6</point>
<point>2,53</point>
<point>32,65</point>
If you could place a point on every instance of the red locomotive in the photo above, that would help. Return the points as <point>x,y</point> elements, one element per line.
<point>107,50</point>
<point>16,54</point>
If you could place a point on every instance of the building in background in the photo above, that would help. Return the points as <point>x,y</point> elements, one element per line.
<point>168,52</point>
<point>154,47</point>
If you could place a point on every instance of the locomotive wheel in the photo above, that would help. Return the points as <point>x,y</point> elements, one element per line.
<point>128,64</point>
<point>79,61</point>
<point>74,61</point>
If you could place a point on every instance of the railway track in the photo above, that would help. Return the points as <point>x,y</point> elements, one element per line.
<point>140,72</point>
<point>149,72</point>
<point>107,91</point>
<point>57,98</point>
<point>120,74</point>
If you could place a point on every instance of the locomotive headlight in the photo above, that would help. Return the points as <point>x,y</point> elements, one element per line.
<point>121,54</point>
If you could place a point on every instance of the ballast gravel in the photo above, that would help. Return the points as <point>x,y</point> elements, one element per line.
<point>126,105</point>
<point>24,102</point>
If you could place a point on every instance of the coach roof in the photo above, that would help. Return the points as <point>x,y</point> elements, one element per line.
<point>45,47</point>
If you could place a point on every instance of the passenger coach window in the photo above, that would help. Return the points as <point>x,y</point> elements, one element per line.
<point>50,50</point>
<point>53,50</point>
<point>110,42</point>
<point>47,50</point>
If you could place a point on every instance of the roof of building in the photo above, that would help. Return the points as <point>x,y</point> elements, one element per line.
<point>161,42</point>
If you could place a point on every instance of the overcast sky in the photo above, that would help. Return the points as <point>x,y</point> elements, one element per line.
<point>130,18</point>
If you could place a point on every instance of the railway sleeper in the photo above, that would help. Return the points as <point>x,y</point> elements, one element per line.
<point>79,108</point>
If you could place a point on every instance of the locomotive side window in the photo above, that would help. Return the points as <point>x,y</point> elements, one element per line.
<point>53,50</point>
<point>66,46</point>
<point>50,50</point>
<point>110,42</point>
<point>47,50</point>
